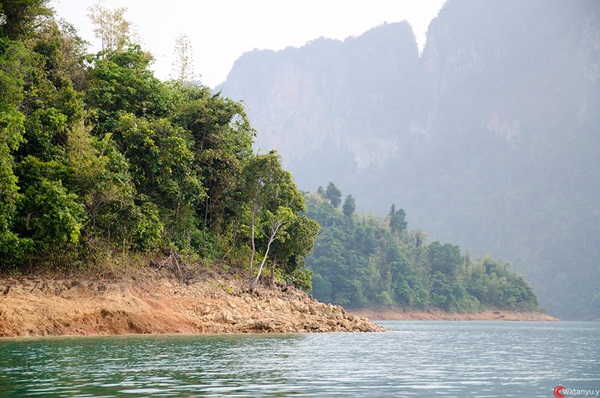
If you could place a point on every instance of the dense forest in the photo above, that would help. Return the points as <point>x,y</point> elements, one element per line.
<point>487,137</point>
<point>102,163</point>
<point>368,261</point>
<point>100,160</point>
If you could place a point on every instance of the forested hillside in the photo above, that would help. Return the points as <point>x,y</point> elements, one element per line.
<point>366,261</point>
<point>101,162</point>
<point>487,139</point>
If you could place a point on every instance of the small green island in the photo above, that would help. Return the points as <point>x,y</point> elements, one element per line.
<point>122,189</point>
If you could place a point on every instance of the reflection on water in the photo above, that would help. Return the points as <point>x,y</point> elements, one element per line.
<point>452,359</point>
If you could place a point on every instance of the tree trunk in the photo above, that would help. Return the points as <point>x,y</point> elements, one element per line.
<point>262,264</point>
<point>273,270</point>
<point>253,244</point>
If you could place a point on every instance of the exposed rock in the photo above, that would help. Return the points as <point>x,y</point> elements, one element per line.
<point>38,307</point>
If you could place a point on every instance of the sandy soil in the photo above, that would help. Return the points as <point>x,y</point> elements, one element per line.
<point>146,302</point>
<point>41,307</point>
<point>488,315</point>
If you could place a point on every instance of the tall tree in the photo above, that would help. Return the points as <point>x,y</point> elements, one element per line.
<point>349,206</point>
<point>445,258</point>
<point>12,130</point>
<point>289,253</point>
<point>276,223</point>
<point>110,26</point>
<point>333,194</point>
<point>268,190</point>
<point>17,17</point>
<point>183,61</point>
<point>222,144</point>
<point>120,83</point>
<point>397,220</point>
<point>161,161</point>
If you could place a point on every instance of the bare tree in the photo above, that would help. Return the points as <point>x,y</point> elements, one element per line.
<point>110,26</point>
<point>277,224</point>
<point>183,60</point>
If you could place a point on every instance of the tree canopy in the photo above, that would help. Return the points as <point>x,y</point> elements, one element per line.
<point>365,261</point>
<point>99,157</point>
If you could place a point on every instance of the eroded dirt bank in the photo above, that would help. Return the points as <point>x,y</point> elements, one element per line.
<point>41,307</point>
<point>433,315</point>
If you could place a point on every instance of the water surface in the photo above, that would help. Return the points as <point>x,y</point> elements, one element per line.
<point>446,359</point>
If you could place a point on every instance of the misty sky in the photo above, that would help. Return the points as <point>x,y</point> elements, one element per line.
<point>221,31</point>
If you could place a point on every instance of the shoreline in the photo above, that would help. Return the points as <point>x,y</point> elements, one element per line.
<point>402,314</point>
<point>149,303</point>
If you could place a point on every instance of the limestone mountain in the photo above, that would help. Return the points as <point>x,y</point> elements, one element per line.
<point>488,139</point>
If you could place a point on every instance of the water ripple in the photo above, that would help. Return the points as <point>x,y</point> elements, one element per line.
<point>446,359</point>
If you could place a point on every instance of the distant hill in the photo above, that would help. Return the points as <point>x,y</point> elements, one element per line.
<point>489,139</point>
<point>363,261</point>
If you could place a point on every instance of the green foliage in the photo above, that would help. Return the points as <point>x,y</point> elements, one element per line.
<point>364,261</point>
<point>333,194</point>
<point>273,202</point>
<point>491,281</point>
<point>444,259</point>
<point>18,16</point>
<point>98,155</point>
<point>349,206</point>
<point>222,145</point>
<point>50,215</point>
<point>121,83</point>
<point>12,130</point>
<point>11,127</point>
<point>289,254</point>
<point>397,220</point>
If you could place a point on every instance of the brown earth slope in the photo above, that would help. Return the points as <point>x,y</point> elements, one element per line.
<point>83,306</point>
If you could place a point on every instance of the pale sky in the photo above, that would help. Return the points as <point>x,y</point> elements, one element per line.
<point>222,30</point>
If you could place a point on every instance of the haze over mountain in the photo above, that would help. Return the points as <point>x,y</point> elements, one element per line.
<point>488,139</point>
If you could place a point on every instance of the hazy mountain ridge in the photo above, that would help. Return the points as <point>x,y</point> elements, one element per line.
<point>302,98</point>
<point>488,140</point>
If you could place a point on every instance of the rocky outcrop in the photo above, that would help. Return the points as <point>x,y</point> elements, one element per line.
<point>41,307</point>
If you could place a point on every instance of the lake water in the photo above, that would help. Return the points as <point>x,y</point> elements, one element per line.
<point>425,359</point>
